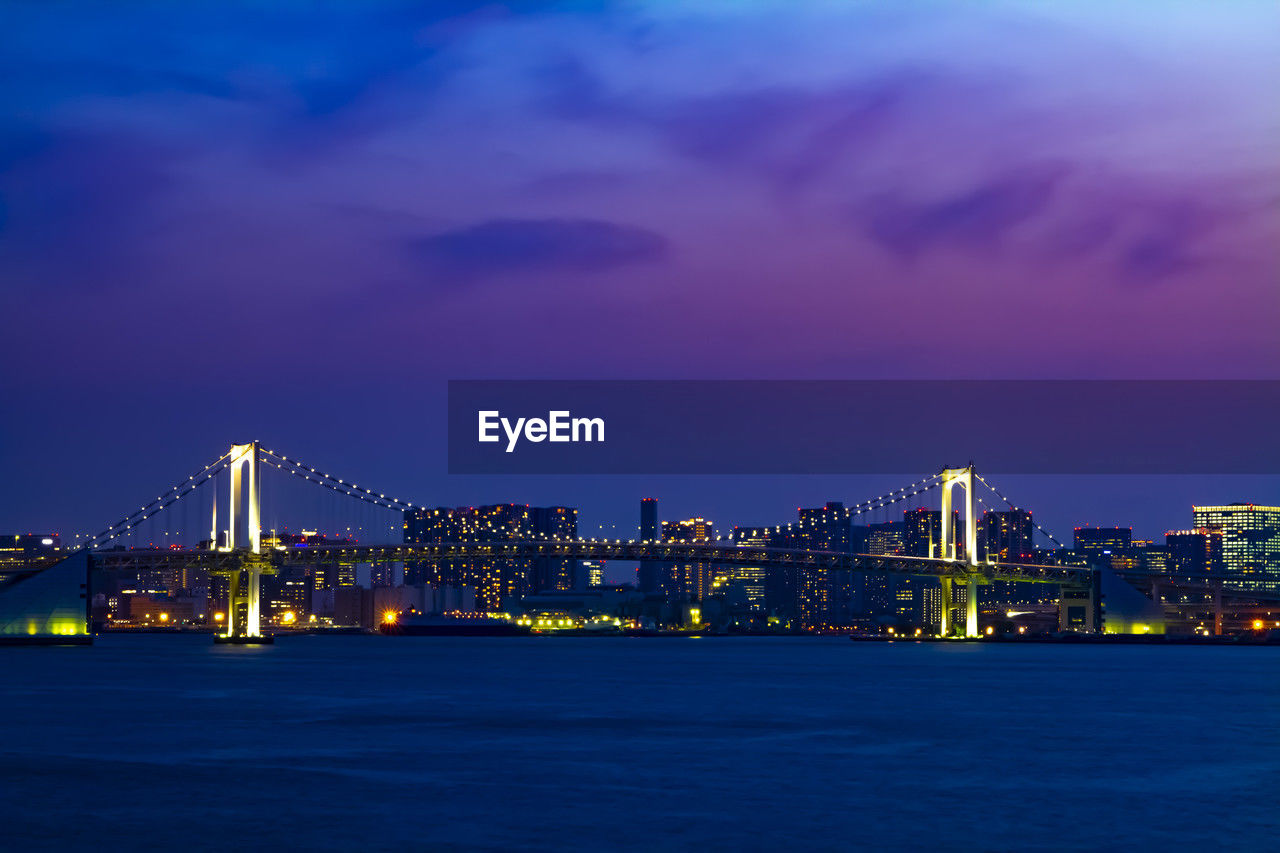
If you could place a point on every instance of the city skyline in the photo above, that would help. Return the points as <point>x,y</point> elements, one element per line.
<point>714,503</point>
<point>770,500</point>
<point>723,528</point>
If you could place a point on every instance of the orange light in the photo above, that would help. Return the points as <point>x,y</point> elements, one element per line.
<point>1257,624</point>
<point>218,617</point>
<point>390,617</point>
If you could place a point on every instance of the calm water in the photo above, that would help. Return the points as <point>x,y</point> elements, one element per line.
<point>362,743</point>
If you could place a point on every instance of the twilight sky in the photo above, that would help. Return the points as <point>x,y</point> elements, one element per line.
<point>222,220</point>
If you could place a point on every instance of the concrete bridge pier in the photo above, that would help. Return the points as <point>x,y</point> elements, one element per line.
<point>244,588</point>
<point>971,608</point>
<point>944,629</point>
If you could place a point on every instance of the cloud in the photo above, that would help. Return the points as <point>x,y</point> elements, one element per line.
<point>785,135</point>
<point>539,245</point>
<point>1168,242</point>
<point>1147,233</point>
<point>976,218</point>
<point>1055,213</point>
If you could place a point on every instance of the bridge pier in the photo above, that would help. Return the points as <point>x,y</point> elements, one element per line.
<point>233,602</point>
<point>971,608</point>
<point>244,589</point>
<point>944,629</point>
<point>254,603</point>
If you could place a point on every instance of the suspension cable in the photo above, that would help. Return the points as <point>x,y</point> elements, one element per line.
<point>176,493</point>
<point>1017,508</point>
<point>320,478</point>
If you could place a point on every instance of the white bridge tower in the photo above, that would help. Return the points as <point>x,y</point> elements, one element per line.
<point>947,546</point>
<point>243,533</point>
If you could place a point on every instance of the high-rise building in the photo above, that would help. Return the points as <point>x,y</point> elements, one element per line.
<point>496,580</point>
<point>1099,540</point>
<point>921,531</point>
<point>1194,556</point>
<point>1250,543</point>
<point>750,583</point>
<point>918,600</point>
<point>1149,557</point>
<point>825,599</point>
<point>780,586</point>
<point>1007,536</point>
<point>690,581</point>
<point>649,529</point>
<point>888,539</point>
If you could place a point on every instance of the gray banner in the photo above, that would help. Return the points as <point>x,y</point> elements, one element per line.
<point>863,426</point>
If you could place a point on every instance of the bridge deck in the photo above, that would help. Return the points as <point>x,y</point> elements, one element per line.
<point>598,549</point>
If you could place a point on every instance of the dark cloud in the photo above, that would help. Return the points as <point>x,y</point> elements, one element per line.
<point>1167,242</point>
<point>976,218</point>
<point>1147,233</point>
<point>788,136</point>
<point>306,66</point>
<point>538,245</point>
<point>1063,214</point>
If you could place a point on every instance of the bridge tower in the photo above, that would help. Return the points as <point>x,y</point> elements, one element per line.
<point>244,534</point>
<point>964,478</point>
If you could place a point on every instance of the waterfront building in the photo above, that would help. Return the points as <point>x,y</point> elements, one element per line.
<point>48,604</point>
<point>495,580</point>
<point>1250,543</point>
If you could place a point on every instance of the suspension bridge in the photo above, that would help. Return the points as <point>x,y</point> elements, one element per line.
<point>237,549</point>
<point>242,549</point>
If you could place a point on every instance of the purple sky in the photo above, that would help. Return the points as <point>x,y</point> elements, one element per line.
<point>221,221</point>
